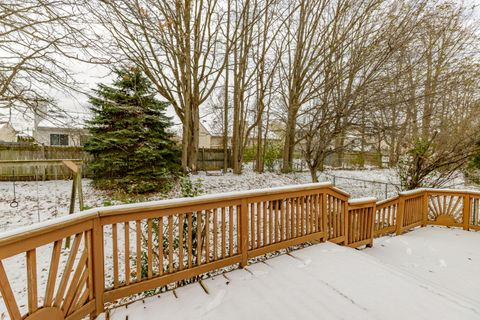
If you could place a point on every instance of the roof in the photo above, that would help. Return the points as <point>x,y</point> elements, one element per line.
<point>62,123</point>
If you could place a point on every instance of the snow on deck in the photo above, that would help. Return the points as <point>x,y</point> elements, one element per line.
<point>445,257</point>
<point>425,274</point>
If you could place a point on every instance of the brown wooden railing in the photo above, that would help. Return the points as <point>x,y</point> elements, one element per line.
<point>122,250</point>
<point>421,207</point>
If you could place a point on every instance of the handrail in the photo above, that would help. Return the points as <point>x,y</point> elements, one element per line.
<point>36,229</point>
<point>121,250</point>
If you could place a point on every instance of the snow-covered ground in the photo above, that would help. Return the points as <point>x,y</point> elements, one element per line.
<point>430,273</point>
<point>54,196</point>
<point>40,201</point>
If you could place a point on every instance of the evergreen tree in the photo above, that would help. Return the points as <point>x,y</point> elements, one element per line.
<point>130,143</point>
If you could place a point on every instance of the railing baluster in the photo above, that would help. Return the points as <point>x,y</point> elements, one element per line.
<point>68,269</point>
<point>170,243</point>
<point>207,236</point>
<point>244,232</point>
<point>52,275</point>
<point>190,239</point>
<point>252,225</point>
<point>265,242</point>
<point>288,218</point>
<point>215,234</point>
<point>149,249</point>
<point>258,217</point>
<point>98,266</point>
<point>180,241</point>
<point>32,281</point>
<point>230,235</point>
<point>160,245</point>
<point>224,236</point>
<point>115,255</point>
<point>127,252</point>
<point>138,271</point>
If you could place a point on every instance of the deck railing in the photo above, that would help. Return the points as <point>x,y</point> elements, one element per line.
<point>122,250</point>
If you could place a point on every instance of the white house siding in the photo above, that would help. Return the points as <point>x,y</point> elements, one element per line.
<point>42,135</point>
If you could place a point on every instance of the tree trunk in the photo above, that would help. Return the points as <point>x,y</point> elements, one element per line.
<point>313,173</point>
<point>289,143</point>
<point>259,167</point>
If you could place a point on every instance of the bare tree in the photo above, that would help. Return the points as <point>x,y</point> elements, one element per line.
<point>178,46</point>
<point>253,62</point>
<point>37,39</point>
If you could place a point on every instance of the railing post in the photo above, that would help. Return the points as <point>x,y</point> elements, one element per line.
<point>98,266</point>
<point>400,213</point>
<point>425,208</point>
<point>466,211</point>
<point>244,232</point>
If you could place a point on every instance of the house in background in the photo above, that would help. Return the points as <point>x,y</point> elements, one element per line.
<point>7,132</point>
<point>56,129</point>
<point>50,134</point>
<point>213,139</point>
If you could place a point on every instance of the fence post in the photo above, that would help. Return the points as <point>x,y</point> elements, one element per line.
<point>244,232</point>
<point>425,208</point>
<point>98,266</point>
<point>400,213</point>
<point>466,211</point>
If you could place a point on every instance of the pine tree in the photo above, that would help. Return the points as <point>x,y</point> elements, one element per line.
<point>131,146</point>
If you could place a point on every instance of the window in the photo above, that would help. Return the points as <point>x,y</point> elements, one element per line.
<point>58,139</point>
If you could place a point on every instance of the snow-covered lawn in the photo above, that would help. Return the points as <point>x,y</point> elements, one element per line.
<point>52,200</point>
<point>54,196</point>
<point>430,273</point>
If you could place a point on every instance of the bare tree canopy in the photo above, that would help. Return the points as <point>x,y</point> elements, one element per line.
<point>37,38</point>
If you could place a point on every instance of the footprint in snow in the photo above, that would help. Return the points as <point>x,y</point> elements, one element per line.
<point>217,300</point>
<point>305,263</point>
<point>442,263</point>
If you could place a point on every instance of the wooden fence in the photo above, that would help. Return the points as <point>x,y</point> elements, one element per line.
<point>208,159</point>
<point>212,159</point>
<point>30,151</point>
<point>122,250</point>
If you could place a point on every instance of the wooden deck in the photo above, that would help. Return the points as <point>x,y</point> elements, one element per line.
<point>123,250</point>
<point>328,281</point>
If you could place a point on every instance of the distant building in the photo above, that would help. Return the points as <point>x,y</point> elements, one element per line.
<point>54,135</point>
<point>54,129</point>
<point>7,132</point>
<point>209,139</point>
